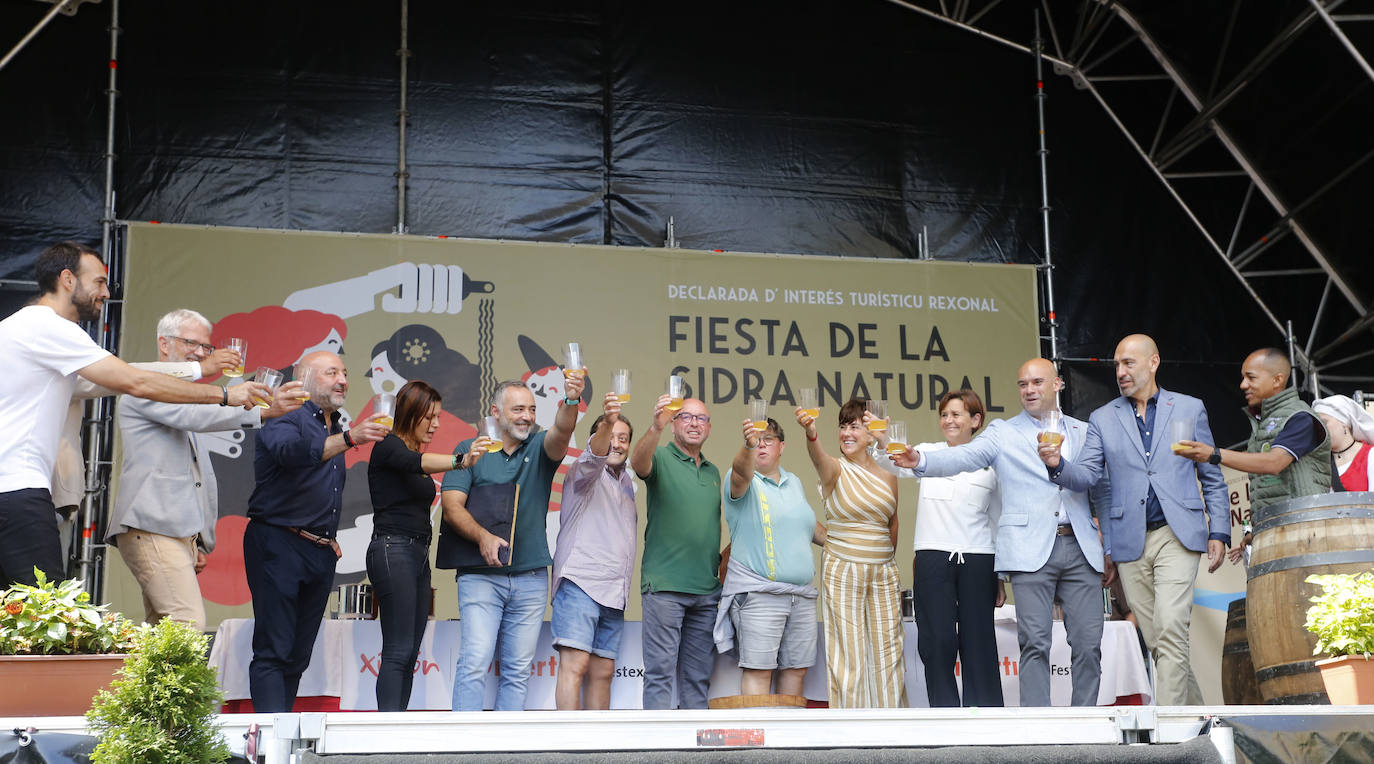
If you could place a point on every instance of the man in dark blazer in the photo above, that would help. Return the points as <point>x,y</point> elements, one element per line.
<point>1157,523</point>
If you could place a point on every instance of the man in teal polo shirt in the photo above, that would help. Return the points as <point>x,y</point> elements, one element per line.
<point>507,601</point>
<point>681,556</point>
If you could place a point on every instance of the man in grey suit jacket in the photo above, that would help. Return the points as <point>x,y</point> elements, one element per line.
<point>165,513</point>
<point>1155,527</point>
<point>1047,545</point>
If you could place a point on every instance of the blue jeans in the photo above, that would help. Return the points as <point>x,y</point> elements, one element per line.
<point>398,567</point>
<point>678,645</point>
<point>504,607</point>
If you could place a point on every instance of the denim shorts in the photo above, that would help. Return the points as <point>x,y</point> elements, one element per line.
<point>774,630</point>
<point>582,623</point>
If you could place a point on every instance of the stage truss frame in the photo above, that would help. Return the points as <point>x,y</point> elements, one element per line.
<point>1102,30</point>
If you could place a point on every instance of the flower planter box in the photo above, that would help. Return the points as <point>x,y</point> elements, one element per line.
<point>1349,679</point>
<point>53,685</point>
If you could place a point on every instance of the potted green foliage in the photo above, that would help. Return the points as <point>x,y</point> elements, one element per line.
<point>1342,618</point>
<point>162,707</point>
<point>56,648</point>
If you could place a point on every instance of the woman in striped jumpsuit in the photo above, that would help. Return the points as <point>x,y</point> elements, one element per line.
<point>862,602</point>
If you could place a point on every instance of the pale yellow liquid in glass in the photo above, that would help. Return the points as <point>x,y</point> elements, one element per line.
<point>1051,437</point>
<point>675,404</point>
<point>624,397</point>
<point>1178,447</point>
<point>235,372</point>
<point>262,404</point>
<point>303,395</point>
<point>573,373</point>
<point>494,446</point>
<point>813,413</point>
<point>878,425</point>
<point>385,421</point>
<point>760,426</point>
<point>896,448</point>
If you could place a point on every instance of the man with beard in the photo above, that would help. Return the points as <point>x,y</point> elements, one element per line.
<point>505,602</point>
<point>290,546</point>
<point>44,350</point>
<point>680,591</point>
<point>164,517</point>
<point>1158,523</point>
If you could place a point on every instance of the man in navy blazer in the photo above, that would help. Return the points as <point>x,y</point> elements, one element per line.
<point>1047,545</point>
<point>1155,528</point>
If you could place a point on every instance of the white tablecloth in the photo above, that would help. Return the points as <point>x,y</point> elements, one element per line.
<point>347,652</point>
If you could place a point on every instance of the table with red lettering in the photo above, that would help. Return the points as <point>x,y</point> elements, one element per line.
<point>343,668</point>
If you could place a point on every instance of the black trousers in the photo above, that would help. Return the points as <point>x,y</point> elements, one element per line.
<point>29,537</point>
<point>398,567</point>
<point>290,579</point>
<point>954,606</point>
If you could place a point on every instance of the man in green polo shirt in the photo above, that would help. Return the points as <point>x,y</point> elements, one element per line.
<point>678,575</point>
<point>506,602</point>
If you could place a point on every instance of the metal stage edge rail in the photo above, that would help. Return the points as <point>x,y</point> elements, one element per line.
<point>529,731</point>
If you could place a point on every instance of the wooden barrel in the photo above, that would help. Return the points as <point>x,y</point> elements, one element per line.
<point>1328,533</point>
<point>757,701</point>
<point>1238,685</point>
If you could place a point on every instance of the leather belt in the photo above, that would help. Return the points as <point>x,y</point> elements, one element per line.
<point>1155,526</point>
<point>1064,530</point>
<point>323,541</point>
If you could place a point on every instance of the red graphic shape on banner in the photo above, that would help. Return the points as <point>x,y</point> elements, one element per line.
<point>278,337</point>
<point>223,580</point>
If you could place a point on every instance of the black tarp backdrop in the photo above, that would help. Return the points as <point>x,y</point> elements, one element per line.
<point>815,127</point>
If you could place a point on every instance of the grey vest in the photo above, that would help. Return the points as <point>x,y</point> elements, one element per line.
<point>1307,476</point>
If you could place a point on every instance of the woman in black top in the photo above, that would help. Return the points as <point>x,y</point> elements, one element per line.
<point>398,477</point>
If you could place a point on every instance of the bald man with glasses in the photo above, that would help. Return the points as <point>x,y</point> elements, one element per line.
<point>678,574</point>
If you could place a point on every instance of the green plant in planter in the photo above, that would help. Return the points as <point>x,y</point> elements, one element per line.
<point>53,618</point>
<point>164,702</point>
<point>1342,616</point>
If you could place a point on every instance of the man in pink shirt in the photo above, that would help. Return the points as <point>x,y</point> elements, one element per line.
<point>592,563</point>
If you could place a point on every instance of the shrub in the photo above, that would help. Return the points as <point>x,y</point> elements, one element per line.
<point>163,705</point>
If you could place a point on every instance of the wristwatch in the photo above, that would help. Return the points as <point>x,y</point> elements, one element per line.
<point>1215,458</point>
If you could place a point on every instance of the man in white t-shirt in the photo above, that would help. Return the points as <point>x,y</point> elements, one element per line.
<point>44,351</point>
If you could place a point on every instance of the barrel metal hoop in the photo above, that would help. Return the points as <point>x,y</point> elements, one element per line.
<point>1309,560</point>
<point>1285,669</point>
<point>1236,647</point>
<point>1312,515</point>
<point>1316,501</point>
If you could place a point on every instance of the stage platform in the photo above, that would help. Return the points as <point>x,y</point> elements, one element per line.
<point>1002,730</point>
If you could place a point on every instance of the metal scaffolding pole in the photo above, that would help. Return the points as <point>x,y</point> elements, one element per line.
<point>99,411</point>
<point>1345,41</point>
<point>402,116</point>
<point>56,9</point>
<point>1047,272</point>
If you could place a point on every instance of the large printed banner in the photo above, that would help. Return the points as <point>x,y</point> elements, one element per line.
<point>347,655</point>
<point>464,315</point>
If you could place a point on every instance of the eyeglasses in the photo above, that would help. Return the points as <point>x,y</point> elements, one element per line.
<point>193,344</point>
<point>768,440</point>
<point>689,418</point>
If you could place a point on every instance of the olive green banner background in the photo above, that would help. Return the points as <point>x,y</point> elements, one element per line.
<point>464,314</point>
